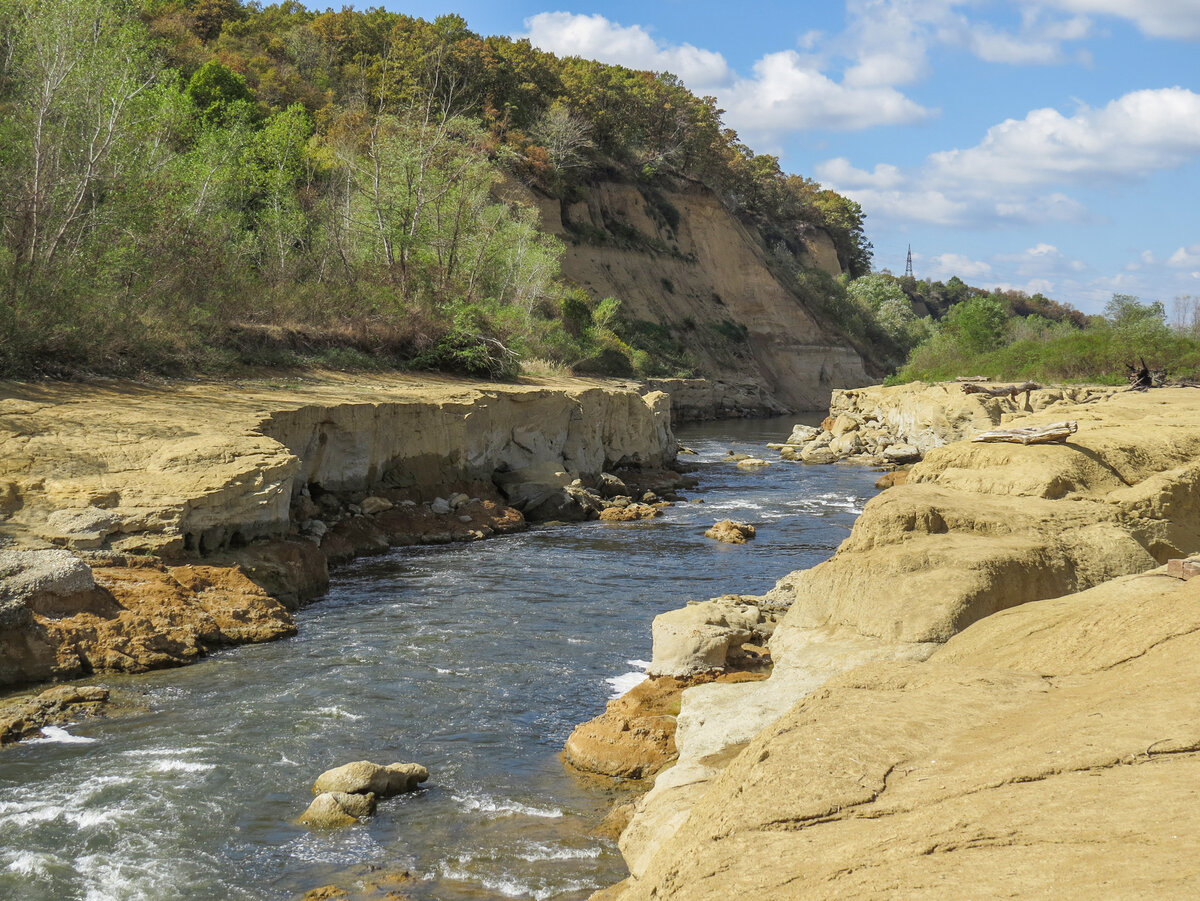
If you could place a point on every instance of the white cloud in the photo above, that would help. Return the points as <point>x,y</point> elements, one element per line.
<point>948,264</point>
<point>1132,136</point>
<point>789,93</point>
<point>1185,256</point>
<point>595,37</point>
<point>1044,250</point>
<point>1017,173</point>
<point>1176,19</point>
<point>841,171</point>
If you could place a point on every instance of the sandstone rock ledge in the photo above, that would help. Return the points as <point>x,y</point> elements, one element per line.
<point>989,691</point>
<point>142,526</point>
<point>881,426</point>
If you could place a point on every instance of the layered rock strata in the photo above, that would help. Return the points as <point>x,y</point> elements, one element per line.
<point>974,667</point>
<point>147,525</point>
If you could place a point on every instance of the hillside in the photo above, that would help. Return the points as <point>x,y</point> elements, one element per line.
<point>201,186</point>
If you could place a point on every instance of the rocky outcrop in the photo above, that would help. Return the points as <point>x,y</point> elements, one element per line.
<point>974,667</point>
<point>635,736</point>
<point>22,717</point>
<point>148,525</point>
<point>1023,758</point>
<point>898,425</point>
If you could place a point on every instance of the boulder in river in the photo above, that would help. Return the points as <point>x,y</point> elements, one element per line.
<point>362,777</point>
<point>334,809</point>
<point>753,463</point>
<point>731,532</point>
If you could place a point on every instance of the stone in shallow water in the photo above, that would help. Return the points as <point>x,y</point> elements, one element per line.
<point>362,777</point>
<point>332,810</point>
<point>731,532</point>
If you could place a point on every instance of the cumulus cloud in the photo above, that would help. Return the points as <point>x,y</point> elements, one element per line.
<point>789,93</point>
<point>1132,136</point>
<point>1019,172</point>
<point>595,37</point>
<point>840,170</point>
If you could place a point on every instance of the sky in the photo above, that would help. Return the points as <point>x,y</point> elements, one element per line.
<point>1047,146</point>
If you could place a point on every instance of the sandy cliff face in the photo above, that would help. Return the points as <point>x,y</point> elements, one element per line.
<point>1003,763</point>
<point>700,272</point>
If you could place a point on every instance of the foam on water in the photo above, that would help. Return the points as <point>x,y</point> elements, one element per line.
<point>626,681</point>
<point>339,713</point>
<point>505,807</point>
<point>536,852</point>
<point>61,736</point>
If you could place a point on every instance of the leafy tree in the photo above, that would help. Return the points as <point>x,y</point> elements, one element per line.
<point>977,324</point>
<point>219,93</point>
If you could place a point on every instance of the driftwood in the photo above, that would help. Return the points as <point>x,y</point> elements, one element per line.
<point>1143,377</point>
<point>1037,434</point>
<point>973,378</point>
<point>1002,390</point>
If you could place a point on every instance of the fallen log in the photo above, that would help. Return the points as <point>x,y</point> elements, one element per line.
<point>1035,434</point>
<point>1001,390</point>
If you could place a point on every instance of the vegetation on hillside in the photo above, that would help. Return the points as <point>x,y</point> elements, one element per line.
<point>944,330</point>
<point>195,184</point>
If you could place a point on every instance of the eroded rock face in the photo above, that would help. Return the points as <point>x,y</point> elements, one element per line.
<point>216,467</point>
<point>979,539</point>
<point>723,284</point>
<point>900,424</point>
<point>972,772</point>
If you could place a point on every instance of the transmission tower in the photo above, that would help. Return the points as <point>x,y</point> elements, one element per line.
<point>908,263</point>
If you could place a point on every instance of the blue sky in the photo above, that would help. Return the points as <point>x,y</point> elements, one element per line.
<point>1043,145</point>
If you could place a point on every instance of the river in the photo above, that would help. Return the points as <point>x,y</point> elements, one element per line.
<point>475,660</point>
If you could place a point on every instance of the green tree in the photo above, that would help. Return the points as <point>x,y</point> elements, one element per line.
<point>977,325</point>
<point>219,93</point>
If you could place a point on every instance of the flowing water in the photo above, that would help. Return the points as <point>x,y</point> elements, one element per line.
<point>476,660</point>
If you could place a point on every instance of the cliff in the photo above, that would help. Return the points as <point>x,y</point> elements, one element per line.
<point>681,262</point>
<point>988,690</point>
<point>143,525</point>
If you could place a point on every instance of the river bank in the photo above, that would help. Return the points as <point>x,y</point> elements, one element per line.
<point>994,649</point>
<point>144,526</point>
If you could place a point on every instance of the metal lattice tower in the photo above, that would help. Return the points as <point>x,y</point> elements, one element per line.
<point>908,263</point>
